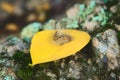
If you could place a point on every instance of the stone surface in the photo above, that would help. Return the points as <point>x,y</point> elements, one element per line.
<point>113,9</point>
<point>72,12</point>
<point>72,71</point>
<point>90,25</point>
<point>118,27</point>
<point>11,44</point>
<point>106,44</point>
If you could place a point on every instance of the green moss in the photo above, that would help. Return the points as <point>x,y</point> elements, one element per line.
<point>22,58</point>
<point>55,69</point>
<point>25,74</point>
<point>116,16</point>
<point>40,75</point>
<point>118,36</point>
<point>72,79</point>
<point>107,0</point>
<point>30,73</point>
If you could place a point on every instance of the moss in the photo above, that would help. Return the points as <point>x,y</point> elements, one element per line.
<point>107,0</point>
<point>22,58</point>
<point>30,73</point>
<point>118,36</point>
<point>24,74</point>
<point>25,71</point>
<point>110,3</point>
<point>40,75</point>
<point>72,79</point>
<point>116,16</point>
<point>55,68</point>
<point>36,72</point>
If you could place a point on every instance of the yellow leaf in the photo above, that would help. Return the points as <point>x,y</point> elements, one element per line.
<point>49,46</point>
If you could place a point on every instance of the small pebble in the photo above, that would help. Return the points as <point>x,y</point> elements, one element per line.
<point>31,17</point>
<point>113,9</point>
<point>46,6</point>
<point>41,17</point>
<point>112,75</point>
<point>72,12</point>
<point>118,27</point>
<point>11,27</point>
<point>7,7</point>
<point>89,61</point>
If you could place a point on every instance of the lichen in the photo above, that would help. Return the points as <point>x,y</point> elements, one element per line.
<point>102,17</point>
<point>50,25</point>
<point>93,14</point>
<point>64,23</point>
<point>29,30</point>
<point>84,12</point>
<point>67,23</point>
<point>8,77</point>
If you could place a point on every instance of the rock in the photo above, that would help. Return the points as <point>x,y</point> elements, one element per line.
<point>113,9</point>
<point>12,44</point>
<point>41,16</point>
<point>8,68</point>
<point>118,27</point>
<point>52,75</point>
<point>112,75</point>
<point>90,16</point>
<point>7,7</point>
<point>90,25</point>
<point>70,70</point>
<point>31,17</point>
<point>74,70</point>
<point>106,44</point>
<point>11,27</point>
<point>72,12</point>
<point>7,74</point>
